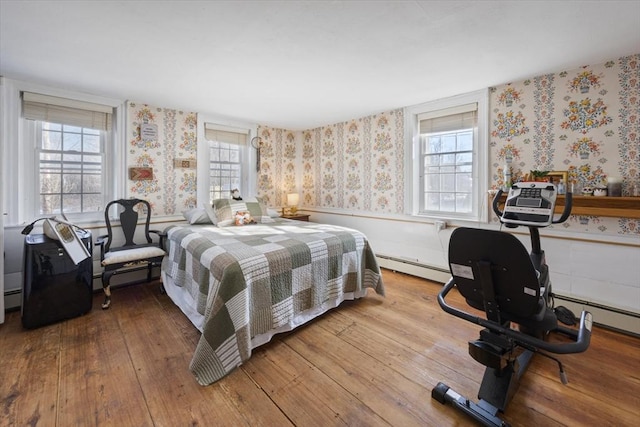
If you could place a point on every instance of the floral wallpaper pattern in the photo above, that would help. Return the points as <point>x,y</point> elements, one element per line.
<point>171,190</point>
<point>356,165</point>
<point>584,121</point>
<point>277,176</point>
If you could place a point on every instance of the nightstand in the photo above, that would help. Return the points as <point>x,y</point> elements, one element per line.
<point>298,217</point>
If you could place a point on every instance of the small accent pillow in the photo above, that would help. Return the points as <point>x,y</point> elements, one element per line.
<point>244,218</point>
<point>211,214</point>
<point>196,216</point>
<point>273,213</point>
<point>225,210</point>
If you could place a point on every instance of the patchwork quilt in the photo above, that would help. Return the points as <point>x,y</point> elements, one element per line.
<point>249,280</point>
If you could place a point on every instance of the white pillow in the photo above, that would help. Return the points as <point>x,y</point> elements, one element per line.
<point>213,218</point>
<point>197,216</point>
<point>273,213</point>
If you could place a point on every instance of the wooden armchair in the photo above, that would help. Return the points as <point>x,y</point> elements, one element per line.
<point>130,256</point>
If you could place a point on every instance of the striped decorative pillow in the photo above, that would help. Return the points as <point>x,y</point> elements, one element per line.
<point>226,209</point>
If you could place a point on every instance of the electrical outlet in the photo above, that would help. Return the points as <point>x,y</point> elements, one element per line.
<point>440,225</point>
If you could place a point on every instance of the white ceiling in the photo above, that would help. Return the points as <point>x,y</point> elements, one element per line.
<point>303,64</point>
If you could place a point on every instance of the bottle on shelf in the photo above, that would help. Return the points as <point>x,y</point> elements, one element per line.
<point>507,177</point>
<point>561,187</point>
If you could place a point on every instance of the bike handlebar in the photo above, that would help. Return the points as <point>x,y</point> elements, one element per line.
<point>581,341</point>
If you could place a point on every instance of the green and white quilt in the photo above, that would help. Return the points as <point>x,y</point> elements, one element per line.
<point>251,280</point>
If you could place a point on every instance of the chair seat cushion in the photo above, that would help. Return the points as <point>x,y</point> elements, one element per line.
<point>130,255</point>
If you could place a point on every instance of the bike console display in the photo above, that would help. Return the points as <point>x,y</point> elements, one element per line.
<point>530,203</point>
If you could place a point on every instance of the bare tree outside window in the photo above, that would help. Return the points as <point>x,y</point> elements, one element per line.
<point>71,163</point>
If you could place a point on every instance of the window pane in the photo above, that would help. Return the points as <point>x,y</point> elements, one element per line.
<point>225,169</point>
<point>51,140</point>
<point>448,202</point>
<point>72,129</point>
<point>448,184</point>
<point>463,202</point>
<point>92,203</point>
<point>49,204</point>
<point>91,144</point>
<point>431,160</point>
<point>71,203</point>
<point>70,181</point>
<point>49,183</point>
<point>432,182</point>
<point>448,159</point>
<point>449,143</point>
<point>224,155</point>
<point>464,158</point>
<point>91,183</point>
<point>465,141</point>
<point>72,142</point>
<point>433,144</point>
<point>432,202</point>
<point>464,182</point>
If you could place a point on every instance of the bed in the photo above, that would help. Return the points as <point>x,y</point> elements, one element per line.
<point>241,285</point>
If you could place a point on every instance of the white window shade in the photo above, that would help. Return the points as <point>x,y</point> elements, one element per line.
<point>449,119</point>
<point>53,109</point>
<point>225,134</point>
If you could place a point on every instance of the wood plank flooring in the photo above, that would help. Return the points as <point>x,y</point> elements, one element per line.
<point>371,362</point>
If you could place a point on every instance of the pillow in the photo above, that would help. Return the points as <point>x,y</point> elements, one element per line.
<point>273,213</point>
<point>196,216</point>
<point>244,218</point>
<point>225,210</point>
<point>211,214</point>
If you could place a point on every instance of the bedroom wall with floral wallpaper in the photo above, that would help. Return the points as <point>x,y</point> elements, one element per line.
<point>356,165</point>
<point>585,121</point>
<point>172,188</point>
<point>278,165</point>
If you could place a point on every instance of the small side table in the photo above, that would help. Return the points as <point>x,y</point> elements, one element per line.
<point>297,217</point>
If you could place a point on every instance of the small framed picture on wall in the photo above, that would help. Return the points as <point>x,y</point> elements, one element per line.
<point>556,176</point>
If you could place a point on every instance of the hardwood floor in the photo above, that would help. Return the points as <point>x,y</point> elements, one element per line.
<point>370,362</point>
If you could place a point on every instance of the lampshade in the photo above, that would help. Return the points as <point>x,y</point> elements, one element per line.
<point>293,199</point>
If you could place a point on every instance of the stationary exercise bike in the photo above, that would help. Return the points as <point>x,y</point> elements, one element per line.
<point>494,272</point>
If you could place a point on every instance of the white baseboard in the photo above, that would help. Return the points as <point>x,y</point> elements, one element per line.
<point>609,317</point>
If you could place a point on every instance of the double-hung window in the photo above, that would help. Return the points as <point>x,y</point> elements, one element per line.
<point>225,160</point>
<point>446,149</point>
<point>450,151</point>
<point>70,140</point>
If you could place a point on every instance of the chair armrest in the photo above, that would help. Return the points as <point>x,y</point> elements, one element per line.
<point>162,235</point>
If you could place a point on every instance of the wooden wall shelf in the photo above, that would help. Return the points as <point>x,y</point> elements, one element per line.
<point>621,207</point>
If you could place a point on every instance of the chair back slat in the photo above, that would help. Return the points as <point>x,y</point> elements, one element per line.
<point>128,221</point>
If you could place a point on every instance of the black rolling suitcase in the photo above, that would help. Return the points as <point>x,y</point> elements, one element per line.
<point>54,287</point>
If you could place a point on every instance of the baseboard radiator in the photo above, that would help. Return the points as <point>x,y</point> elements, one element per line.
<point>610,317</point>
<point>414,268</point>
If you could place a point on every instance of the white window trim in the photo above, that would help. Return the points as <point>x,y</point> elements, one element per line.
<point>19,179</point>
<point>480,163</point>
<point>249,176</point>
